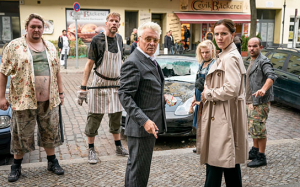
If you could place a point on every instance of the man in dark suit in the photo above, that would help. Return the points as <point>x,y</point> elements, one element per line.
<point>141,95</point>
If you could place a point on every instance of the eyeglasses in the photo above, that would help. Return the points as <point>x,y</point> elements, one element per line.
<point>148,40</point>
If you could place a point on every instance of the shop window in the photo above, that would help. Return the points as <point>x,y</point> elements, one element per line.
<point>294,65</point>
<point>278,60</point>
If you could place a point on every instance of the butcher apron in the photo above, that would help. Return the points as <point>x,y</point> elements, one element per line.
<point>104,97</point>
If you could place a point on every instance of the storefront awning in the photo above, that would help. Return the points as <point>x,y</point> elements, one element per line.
<point>212,18</point>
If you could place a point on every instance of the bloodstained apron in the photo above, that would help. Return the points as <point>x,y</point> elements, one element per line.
<point>104,98</point>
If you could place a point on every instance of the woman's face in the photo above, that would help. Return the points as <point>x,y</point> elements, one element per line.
<point>223,36</point>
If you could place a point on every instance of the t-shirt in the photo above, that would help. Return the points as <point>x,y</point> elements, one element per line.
<point>97,47</point>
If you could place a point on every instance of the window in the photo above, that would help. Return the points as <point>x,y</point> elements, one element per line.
<point>294,65</point>
<point>278,60</point>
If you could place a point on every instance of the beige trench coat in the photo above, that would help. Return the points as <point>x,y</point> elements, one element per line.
<point>222,128</point>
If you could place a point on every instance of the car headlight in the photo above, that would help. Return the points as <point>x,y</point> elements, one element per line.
<point>4,121</point>
<point>183,109</point>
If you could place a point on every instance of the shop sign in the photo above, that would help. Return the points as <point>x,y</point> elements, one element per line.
<point>174,25</point>
<point>211,5</point>
<point>91,23</point>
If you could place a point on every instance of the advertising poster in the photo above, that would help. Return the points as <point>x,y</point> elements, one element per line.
<point>204,30</point>
<point>48,27</point>
<point>174,25</point>
<point>91,23</point>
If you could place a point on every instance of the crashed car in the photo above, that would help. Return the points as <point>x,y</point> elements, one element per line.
<point>180,74</point>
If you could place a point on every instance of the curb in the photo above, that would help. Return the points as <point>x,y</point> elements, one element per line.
<point>155,154</point>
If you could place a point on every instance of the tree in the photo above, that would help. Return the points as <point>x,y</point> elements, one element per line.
<point>253,18</point>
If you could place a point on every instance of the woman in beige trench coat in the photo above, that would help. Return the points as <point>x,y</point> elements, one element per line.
<point>222,132</point>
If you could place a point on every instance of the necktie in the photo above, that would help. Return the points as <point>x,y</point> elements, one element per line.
<point>155,63</point>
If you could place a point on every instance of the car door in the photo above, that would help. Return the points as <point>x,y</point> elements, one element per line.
<point>292,80</point>
<point>278,59</point>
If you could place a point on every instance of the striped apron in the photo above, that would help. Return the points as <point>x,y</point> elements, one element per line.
<point>106,100</point>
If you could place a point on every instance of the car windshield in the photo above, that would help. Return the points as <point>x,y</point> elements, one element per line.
<point>174,66</point>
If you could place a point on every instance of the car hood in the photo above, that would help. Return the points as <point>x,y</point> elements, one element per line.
<point>182,87</point>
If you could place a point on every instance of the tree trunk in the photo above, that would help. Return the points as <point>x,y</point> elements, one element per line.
<point>253,18</point>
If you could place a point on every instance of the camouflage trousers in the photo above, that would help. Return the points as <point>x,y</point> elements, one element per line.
<point>257,117</point>
<point>23,126</point>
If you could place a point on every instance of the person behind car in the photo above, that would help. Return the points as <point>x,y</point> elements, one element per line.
<point>259,92</point>
<point>35,92</point>
<point>133,36</point>
<point>167,42</point>
<point>206,56</point>
<point>223,133</point>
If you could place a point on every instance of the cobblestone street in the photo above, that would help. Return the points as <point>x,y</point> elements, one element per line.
<point>282,152</point>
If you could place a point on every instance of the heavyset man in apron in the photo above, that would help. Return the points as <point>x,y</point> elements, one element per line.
<point>105,55</point>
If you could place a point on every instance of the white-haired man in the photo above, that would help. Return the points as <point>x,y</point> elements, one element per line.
<point>141,93</point>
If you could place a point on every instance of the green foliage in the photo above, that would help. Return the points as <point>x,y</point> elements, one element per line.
<point>217,48</point>
<point>82,48</point>
<point>245,42</point>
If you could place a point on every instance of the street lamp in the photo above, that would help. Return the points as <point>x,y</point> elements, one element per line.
<point>284,5</point>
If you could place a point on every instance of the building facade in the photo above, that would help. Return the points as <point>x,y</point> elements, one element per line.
<point>198,15</point>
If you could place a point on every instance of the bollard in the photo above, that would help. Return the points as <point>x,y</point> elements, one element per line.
<point>66,58</point>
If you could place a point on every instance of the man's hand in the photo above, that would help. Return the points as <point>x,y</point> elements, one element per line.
<point>82,96</point>
<point>260,92</point>
<point>62,97</point>
<point>4,104</point>
<point>151,128</point>
<point>59,49</point>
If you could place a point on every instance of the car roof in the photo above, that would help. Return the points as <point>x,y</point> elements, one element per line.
<point>283,49</point>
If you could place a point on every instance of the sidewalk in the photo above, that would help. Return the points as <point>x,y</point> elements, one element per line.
<point>169,168</point>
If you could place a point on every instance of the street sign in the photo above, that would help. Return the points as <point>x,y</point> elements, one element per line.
<point>76,7</point>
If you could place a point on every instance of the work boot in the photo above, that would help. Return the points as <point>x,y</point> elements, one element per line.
<point>15,173</point>
<point>260,160</point>
<point>194,150</point>
<point>92,158</point>
<point>253,153</point>
<point>55,167</point>
<point>121,151</point>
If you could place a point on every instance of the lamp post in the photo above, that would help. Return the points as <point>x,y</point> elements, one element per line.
<point>284,5</point>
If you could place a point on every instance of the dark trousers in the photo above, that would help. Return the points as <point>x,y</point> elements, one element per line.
<point>139,160</point>
<point>233,177</point>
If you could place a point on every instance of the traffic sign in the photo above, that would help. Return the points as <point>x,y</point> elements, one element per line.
<point>76,7</point>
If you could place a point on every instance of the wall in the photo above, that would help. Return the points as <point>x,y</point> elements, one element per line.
<point>55,10</point>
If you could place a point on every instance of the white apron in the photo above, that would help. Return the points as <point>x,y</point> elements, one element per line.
<point>106,100</point>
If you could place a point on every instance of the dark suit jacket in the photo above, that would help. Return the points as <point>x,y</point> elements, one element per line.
<point>141,94</point>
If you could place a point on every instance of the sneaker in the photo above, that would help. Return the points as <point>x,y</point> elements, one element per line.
<point>253,153</point>
<point>15,173</point>
<point>194,150</point>
<point>121,151</point>
<point>260,160</point>
<point>55,167</point>
<point>92,158</point>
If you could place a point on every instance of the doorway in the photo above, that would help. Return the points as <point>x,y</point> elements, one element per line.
<point>158,18</point>
<point>294,33</point>
<point>9,21</point>
<point>131,22</point>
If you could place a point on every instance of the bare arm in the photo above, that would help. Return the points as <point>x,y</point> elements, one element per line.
<point>3,81</point>
<point>266,86</point>
<point>87,71</point>
<point>3,102</point>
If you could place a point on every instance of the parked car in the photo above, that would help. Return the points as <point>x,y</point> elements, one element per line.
<point>286,63</point>
<point>5,136</point>
<point>180,74</point>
